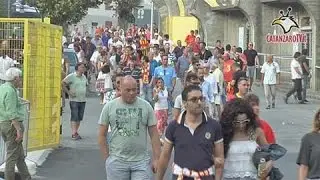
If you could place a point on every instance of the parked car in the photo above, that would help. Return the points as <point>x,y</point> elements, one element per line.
<point>72,58</point>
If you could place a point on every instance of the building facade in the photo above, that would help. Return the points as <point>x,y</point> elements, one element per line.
<point>238,22</point>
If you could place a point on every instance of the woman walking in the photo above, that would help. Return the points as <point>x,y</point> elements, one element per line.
<point>241,136</point>
<point>160,97</point>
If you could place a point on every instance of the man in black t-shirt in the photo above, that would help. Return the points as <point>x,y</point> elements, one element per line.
<point>205,54</point>
<point>252,61</point>
<point>304,62</point>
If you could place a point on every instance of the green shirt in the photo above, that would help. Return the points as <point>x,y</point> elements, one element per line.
<point>129,128</point>
<point>9,103</point>
<point>78,85</point>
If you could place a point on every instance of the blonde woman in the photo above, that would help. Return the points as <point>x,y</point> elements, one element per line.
<point>160,97</point>
<point>309,155</point>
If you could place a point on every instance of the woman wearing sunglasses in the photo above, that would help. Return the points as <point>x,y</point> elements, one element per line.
<point>242,136</point>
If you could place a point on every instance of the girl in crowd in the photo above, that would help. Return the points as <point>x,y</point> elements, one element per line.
<point>160,97</point>
<point>309,155</point>
<point>241,136</point>
<point>104,82</point>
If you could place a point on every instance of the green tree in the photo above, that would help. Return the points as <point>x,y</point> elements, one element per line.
<point>124,10</point>
<point>63,12</point>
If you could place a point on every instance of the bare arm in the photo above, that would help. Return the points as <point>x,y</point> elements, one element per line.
<point>306,67</point>
<point>176,113</point>
<point>262,77</point>
<point>174,80</point>
<point>303,172</point>
<point>64,87</point>
<point>298,71</point>
<point>257,61</point>
<point>261,139</point>
<point>278,78</point>
<point>218,160</point>
<point>164,160</point>
<point>104,149</point>
<point>155,141</point>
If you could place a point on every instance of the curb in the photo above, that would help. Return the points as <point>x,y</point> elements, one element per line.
<point>33,160</point>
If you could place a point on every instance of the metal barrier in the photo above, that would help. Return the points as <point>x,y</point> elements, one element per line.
<point>36,48</point>
<point>24,114</point>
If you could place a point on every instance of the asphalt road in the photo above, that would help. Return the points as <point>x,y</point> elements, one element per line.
<point>81,160</point>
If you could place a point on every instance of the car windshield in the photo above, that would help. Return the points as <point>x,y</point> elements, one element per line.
<point>72,57</point>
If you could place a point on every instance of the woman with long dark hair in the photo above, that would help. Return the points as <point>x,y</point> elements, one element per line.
<point>242,135</point>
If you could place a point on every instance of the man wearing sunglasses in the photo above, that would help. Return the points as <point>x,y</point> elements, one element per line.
<point>197,142</point>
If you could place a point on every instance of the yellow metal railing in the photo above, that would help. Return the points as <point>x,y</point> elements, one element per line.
<point>36,48</point>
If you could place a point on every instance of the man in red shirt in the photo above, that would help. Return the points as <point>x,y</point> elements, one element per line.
<point>254,101</point>
<point>228,74</point>
<point>191,38</point>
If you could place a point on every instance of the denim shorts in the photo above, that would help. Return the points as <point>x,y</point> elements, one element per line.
<point>118,169</point>
<point>251,71</point>
<point>77,110</point>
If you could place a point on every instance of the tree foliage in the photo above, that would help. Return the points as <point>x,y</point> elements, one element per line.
<point>124,8</point>
<point>62,12</point>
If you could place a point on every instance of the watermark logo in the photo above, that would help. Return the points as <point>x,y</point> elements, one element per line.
<point>287,22</point>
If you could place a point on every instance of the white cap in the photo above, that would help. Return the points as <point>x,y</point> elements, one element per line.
<point>12,73</point>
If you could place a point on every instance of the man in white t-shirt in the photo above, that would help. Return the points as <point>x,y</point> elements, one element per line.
<point>296,76</point>
<point>270,77</point>
<point>155,39</point>
<point>5,63</point>
<point>191,79</point>
<point>166,40</point>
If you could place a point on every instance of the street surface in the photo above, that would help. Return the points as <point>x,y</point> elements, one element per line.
<point>81,160</point>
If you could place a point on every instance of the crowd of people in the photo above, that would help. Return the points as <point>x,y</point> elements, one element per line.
<point>213,124</point>
<point>215,127</point>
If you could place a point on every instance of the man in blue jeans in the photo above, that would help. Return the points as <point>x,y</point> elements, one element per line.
<point>168,74</point>
<point>77,95</point>
<point>131,119</point>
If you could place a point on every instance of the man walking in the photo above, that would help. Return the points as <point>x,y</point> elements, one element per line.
<point>252,60</point>
<point>11,126</point>
<point>131,119</point>
<point>77,93</point>
<point>197,142</point>
<point>182,65</point>
<point>296,76</point>
<point>304,63</point>
<point>270,77</point>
